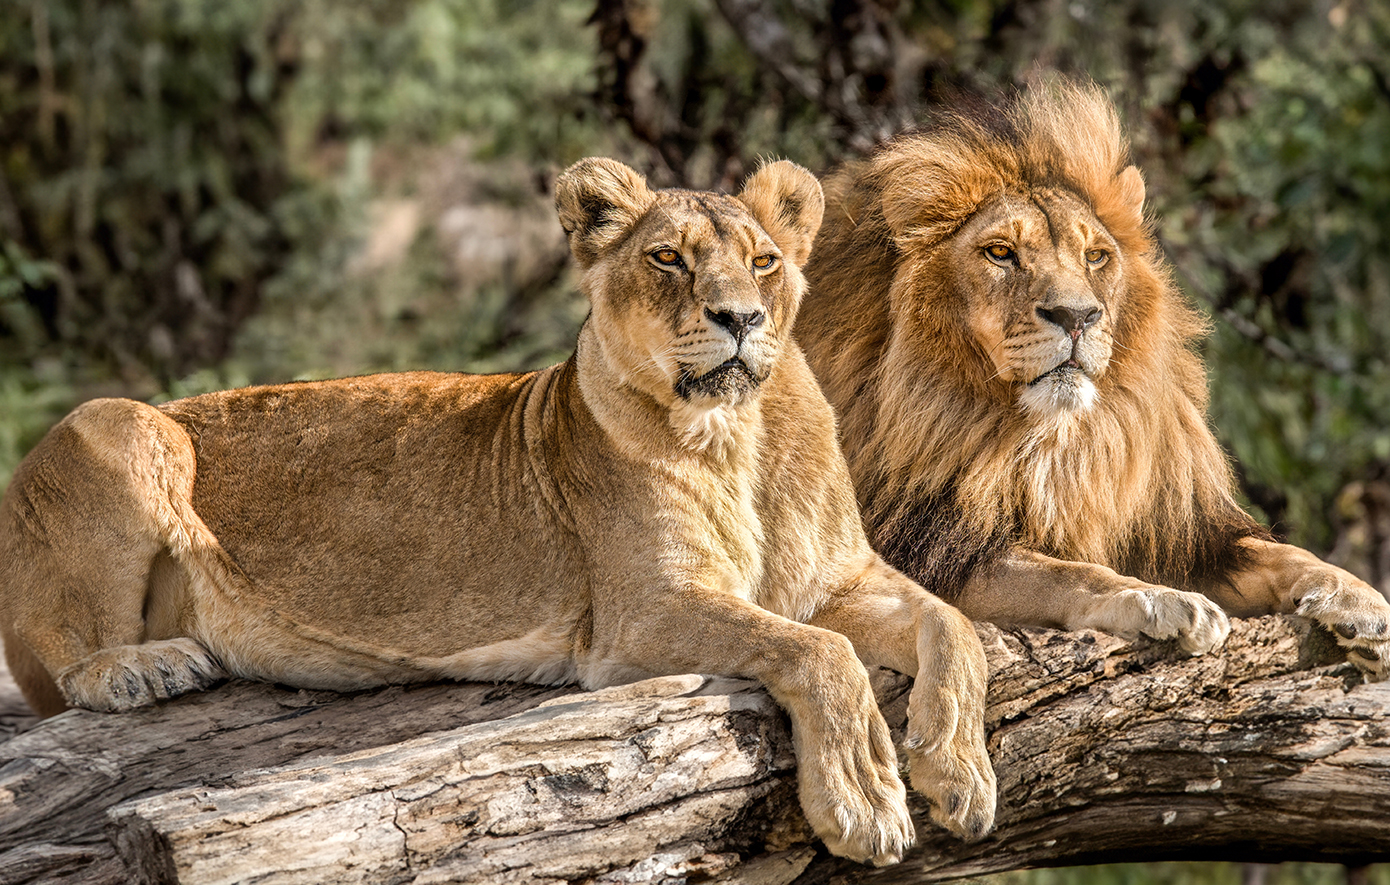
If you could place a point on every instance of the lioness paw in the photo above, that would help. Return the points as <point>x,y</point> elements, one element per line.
<point>114,680</point>
<point>949,763</point>
<point>1353,611</point>
<point>852,795</point>
<point>879,837</point>
<point>1198,624</point>
<point>961,787</point>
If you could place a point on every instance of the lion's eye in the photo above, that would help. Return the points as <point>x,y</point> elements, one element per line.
<point>764,262</point>
<point>1096,257</point>
<point>668,258</point>
<point>1000,254</point>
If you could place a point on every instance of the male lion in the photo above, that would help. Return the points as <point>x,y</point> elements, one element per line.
<point>670,499</point>
<point>1021,404</point>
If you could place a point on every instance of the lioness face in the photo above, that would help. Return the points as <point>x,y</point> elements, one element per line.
<point>1046,277</point>
<point>710,286</point>
<point>710,314</point>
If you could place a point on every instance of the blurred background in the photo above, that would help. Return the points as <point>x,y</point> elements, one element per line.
<point>197,194</point>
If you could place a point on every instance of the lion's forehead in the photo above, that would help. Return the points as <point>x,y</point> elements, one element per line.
<point>700,224</point>
<point>1042,218</point>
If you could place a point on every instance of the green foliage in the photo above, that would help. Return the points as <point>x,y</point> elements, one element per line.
<point>1286,223</point>
<point>184,166</point>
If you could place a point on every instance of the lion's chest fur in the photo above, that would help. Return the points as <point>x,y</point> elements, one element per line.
<point>1074,481</point>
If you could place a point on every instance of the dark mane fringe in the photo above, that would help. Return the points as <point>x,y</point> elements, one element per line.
<point>933,544</point>
<point>1207,559</point>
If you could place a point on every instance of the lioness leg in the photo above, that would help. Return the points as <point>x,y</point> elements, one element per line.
<point>1289,579</point>
<point>894,623</point>
<point>846,766</point>
<point>1028,588</point>
<point>85,518</point>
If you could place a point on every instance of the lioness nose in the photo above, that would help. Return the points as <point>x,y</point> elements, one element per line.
<point>738,324</point>
<point>1073,321</point>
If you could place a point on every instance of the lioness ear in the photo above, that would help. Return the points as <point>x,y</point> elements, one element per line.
<point>788,203</point>
<point>598,200</point>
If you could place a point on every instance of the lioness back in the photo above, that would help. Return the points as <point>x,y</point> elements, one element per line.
<point>391,505</point>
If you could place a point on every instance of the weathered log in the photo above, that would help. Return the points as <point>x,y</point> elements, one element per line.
<point>1105,749</point>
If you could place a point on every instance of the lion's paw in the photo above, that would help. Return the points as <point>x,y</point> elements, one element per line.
<point>1353,611</point>
<point>853,797</point>
<point>1196,622</point>
<point>115,680</point>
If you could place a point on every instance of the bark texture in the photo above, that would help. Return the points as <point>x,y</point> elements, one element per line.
<point>1105,749</point>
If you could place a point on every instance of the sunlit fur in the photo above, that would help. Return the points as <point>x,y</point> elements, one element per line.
<point>956,458</point>
<point>671,499</point>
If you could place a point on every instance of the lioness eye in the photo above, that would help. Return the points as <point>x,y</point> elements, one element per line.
<point>763,262</point>
<point>668,257</point>
<point>1096,257</point>
<point>999,253</point>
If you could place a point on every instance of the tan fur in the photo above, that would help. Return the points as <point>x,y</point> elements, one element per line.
<point>671,499</point>
<point>943,285</point>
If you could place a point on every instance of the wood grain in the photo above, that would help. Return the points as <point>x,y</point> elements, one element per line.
<point>1105,749</point>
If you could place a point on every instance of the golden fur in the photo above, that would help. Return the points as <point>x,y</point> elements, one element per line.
<point>670,499</point>
<point>1022,406</point>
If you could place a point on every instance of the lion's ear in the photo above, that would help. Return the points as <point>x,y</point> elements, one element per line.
<point>598,199</point>
<point>788,202</point>
<point>1125,209</point>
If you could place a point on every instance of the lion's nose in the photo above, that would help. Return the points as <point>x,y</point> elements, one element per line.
<point>737,323</point>
<point>1073,321</point>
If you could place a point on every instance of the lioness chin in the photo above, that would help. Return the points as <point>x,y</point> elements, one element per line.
<point>670,499</point>
<point>1022,405</point>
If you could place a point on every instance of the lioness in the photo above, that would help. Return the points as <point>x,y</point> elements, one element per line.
<point>670,499</point>
<point>1022,406</point>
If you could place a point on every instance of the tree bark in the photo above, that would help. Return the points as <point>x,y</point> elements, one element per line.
<point>1106,749</point>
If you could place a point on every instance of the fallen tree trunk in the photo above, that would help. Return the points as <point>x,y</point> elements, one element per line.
<point>1105,749</point>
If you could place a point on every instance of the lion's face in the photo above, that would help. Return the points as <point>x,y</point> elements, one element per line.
<point>1043,279</point>
<point>693,294</point>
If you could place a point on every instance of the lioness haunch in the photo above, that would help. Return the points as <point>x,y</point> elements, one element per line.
<point>670,499</point>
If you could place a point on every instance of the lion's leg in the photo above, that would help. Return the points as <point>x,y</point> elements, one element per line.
<point>846,767</point>
<point>1289,579</point>
<point>894,623</point>
<point>1028,588</point>
<point>88,513</point>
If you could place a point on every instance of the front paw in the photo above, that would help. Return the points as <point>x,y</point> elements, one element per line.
<point>1353,611</point>
<point>851,792</point>
<point>958,779</point>
<point>1196,622</point>
<point>949,764</point>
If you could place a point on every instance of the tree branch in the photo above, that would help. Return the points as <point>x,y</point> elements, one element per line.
<point>1104,749</point>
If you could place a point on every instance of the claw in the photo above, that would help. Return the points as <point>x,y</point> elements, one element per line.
<point>1346,631</point>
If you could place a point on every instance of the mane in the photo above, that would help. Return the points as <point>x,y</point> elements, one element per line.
<point>949,470</point>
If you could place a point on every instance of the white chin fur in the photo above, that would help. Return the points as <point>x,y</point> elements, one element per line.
<point>703,424</point>
<point>1067,391</point>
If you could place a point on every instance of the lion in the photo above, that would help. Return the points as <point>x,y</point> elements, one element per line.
<point>1022,406</point>
<point>670,499</point>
